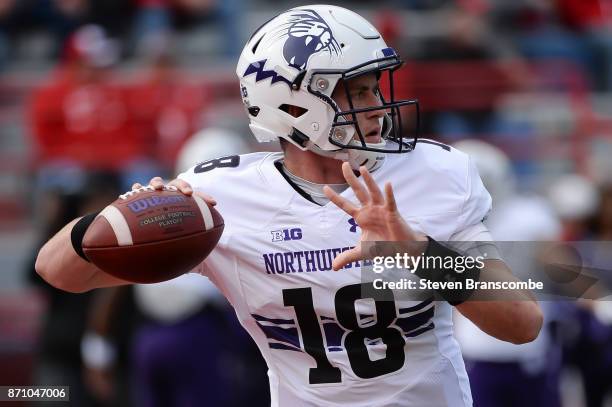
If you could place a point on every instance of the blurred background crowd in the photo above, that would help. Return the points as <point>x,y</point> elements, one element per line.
<point>98,94</point>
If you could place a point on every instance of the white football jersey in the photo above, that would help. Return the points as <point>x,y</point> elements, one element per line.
<point>326,345</point>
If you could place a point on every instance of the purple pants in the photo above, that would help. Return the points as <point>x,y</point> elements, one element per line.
<point>497,384</point>
<point>186,364</point>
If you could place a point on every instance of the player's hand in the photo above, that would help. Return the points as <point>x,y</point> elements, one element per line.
<point>377,215</point>
<point>181,185</point>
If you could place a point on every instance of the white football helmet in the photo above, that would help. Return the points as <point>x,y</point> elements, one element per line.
<point>297,59</point>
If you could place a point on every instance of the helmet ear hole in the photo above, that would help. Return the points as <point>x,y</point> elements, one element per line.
<point>254,111</point>
<point>293,110</point>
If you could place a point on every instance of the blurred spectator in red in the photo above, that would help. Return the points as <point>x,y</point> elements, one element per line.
<point>581,14</point>
<point>167,109</point>
<point>390,26</point>
<point>79,116</point>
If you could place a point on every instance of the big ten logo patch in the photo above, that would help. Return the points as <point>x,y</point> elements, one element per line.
<point>286,234</point>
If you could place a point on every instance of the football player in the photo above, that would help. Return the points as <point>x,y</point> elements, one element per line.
<point>310,77</point>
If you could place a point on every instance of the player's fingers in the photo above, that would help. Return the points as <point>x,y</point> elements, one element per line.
<point>360,192</point>
<point>157,183</point>
<point>346,257</point>
<point>136,185</point>
<point>390,198</point>
<point>209,199</point>
<point>377,197</point>
<point>341,202</point>
<point>181,185</point>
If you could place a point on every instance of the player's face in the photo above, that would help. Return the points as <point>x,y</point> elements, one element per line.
<point>364,92</point>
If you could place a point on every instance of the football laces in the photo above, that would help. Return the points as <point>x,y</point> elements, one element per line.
<point>148,188</point>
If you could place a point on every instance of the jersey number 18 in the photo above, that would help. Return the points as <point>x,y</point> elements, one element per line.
<point>354,341</point>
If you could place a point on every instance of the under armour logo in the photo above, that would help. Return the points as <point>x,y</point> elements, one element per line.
<point>353,224</point>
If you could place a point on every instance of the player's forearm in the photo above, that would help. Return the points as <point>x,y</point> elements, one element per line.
<point>517,322</point>
<point>509,315</point>
<point>59,265</point>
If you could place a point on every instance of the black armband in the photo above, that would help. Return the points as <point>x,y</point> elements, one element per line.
<point>78,232</point>
<point>437,272</point>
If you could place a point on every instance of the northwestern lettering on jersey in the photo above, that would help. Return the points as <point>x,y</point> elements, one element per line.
<point>305,261</point>
<point>145,203</point>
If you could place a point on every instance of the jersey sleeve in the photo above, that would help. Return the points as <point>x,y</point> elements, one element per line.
<point>471,228</point>
<point>212,178</point>
<point>206,182</point>
<point>477,202</point>
<point>220,266</point>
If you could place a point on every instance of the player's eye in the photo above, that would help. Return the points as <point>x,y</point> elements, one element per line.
<point>362,93</point>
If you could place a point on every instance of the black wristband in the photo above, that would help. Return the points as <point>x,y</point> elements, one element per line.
<point>78,232</point>
<point>452,296</point>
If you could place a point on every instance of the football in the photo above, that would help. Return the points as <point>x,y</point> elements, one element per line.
<point>148,235</point>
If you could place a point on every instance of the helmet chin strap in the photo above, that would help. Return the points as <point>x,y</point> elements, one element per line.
<point>372,160</point>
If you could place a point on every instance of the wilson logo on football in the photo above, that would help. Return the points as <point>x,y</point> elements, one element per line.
<point>145,203</point>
